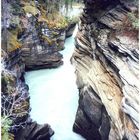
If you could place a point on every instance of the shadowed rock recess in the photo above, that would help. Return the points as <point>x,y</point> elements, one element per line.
<point>106,61</point>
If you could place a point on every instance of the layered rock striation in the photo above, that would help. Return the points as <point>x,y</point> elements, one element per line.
<point>26,25</point>
<point>106,61</point>
<point>27,44</point>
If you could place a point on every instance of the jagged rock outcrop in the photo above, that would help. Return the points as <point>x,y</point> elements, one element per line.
<point>39,48</point>
<point>41,45</point>
<point>106,61</point>
<point>25,25</point>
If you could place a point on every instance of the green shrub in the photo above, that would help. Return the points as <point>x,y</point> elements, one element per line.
<point>5,125</point>
<point>134,20</point>
<point>56,20</point>
<point>130,25</point>
<point>73,19</point>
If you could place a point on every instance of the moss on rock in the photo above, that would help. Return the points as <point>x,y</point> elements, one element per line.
<point>12,42</point>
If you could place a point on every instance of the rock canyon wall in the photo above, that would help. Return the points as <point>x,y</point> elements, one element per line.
<point>28,43</point>
<point>27,26</point>
<point>106,61</point>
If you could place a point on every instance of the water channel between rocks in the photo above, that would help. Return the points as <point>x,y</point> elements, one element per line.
<point>54,96</point>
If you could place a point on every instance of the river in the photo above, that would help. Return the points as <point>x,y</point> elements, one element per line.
<point>54,96</point>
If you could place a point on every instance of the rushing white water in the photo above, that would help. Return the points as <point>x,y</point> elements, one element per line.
<point>54,96</point>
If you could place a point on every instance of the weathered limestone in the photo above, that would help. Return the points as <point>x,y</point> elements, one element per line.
<point>106,62</point>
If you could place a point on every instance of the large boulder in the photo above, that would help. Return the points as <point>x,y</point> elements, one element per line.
<point>34,131</point>
<point>43,60</point>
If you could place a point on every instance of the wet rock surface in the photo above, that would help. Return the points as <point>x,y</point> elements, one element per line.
<point>92,120</point>
<point>70,29</point>
<point>106,63</point>
<point>34,131</point>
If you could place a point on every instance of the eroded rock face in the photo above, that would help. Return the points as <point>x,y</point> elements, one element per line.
<point>25,26</point>
<point>41,45</point>
<point>15,102</point>
<point>39,48</point>
<point>27,44</point>
<point>106,61</point>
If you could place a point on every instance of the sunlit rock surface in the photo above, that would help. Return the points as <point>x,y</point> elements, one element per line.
<point>106,65</point>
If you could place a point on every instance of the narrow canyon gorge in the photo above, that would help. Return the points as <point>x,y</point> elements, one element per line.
<point>65,78</point>
<point>56,91</point>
